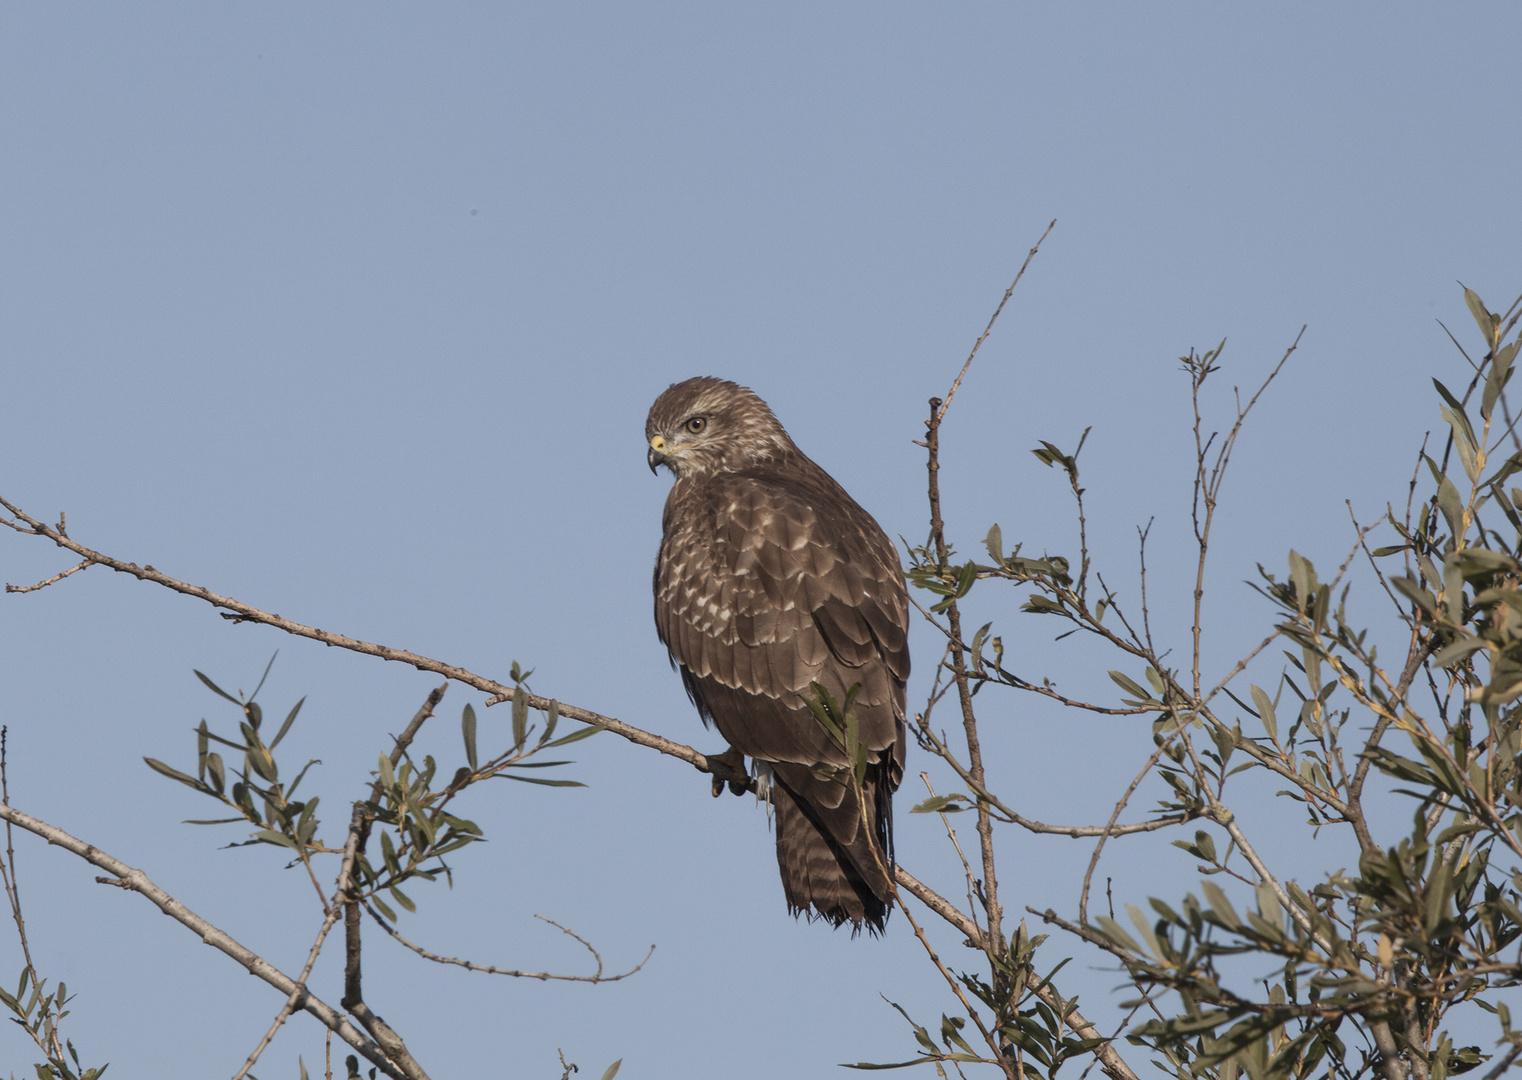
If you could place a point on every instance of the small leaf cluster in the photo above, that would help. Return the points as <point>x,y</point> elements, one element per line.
<point>39,1011</point>
<point>409,805</point>
<point>1032,1025</point>
<point>1432,921</point>
<point>257,792</point>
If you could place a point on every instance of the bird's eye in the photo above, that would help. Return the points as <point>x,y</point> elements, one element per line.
<point>696,424</point>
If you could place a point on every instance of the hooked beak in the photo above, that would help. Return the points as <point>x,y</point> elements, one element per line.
<point>657,454</point>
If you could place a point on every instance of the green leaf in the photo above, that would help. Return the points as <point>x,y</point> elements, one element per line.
<point>576,736</point>
<point>1220,905</point>
<point>1206,843</point>
<point>174,774</point>
<point>218,690</point>
<point>1113,931</point>
<point>1487,322</point>
<point>612,1070</point>
<point>945,804</point>
<point>1414,592</point>
<point>1439,888</point>
<point>539,780</point>
<point>1145,928</point>
<point>552,717</point>
<point>388,853</point>
<point>1302,576</point>
<point>1266,712</point>
<point>1129,686</point>
<point>289,720</point>
<point>1451,505</point>
<point>1458,417</point>
<point>403,899</point>
<point>468,730</point>
<point>1458,650</point>
<point>275,838</point>
<point>218,772</point>
<point>976,648</point>
<point>520,718</point>
<point>995,544</point>
<point>1463,441</point>
<point>262,763</point>
<point>1499,376</point>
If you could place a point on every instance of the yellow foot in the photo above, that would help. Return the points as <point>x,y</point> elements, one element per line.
<point>736,761</point>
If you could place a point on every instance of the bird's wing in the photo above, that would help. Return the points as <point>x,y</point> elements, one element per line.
<point>768,583</point>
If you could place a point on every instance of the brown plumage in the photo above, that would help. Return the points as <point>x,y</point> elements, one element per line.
<point>770,578</point>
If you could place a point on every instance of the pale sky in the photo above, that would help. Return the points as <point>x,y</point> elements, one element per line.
<point>353,312</point>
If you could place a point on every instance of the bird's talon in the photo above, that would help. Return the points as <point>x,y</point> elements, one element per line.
<point>736,762</point>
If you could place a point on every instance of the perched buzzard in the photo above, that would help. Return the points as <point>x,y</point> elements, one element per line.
<point>770,579</point>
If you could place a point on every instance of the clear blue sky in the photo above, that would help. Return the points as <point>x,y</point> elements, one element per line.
<point>354,312</point>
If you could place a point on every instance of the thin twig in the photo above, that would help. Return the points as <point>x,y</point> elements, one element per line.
<point>489,969</point>
<point>1110,830</point>
<point>957,382</point>
<point>975,775</point>
<point>332,911</point>
<point>12,884</point>
<point>951,834</point>
<point>44,584</point>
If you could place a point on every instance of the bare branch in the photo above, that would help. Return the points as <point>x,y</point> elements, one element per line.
<point>294,1002</point>
<point>241,612</point>
<point>44,584</point>
<point>1110,830</point>
<point>1109,1059</point>
<point>975,775</point>
<point>139,882</point>
<point>491,970</point>
<point>957,382</point>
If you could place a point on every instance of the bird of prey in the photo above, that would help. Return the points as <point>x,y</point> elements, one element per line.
<point>772,582</point>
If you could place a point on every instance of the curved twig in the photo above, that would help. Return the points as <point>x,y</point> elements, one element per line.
<point>490,969</point>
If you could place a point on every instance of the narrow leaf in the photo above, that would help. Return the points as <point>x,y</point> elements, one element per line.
<point>995,544</point>
<point>174,774</point>
<point>218,690</point>
<point>1266,712</point>
<point>468,730</point>
<point>520,718</point>
<point>289,720</point>
<point>576,736</point>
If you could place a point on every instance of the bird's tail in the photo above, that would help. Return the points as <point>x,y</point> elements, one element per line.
<point>829,868</point>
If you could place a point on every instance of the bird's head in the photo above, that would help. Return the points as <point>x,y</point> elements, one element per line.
<point>707,425</point>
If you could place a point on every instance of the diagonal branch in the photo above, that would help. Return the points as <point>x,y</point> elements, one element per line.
<point>241,612</point>
<point>48,581</point>
<point>1110,1061</point>
<point>139,882</point>
<point>957,382</point>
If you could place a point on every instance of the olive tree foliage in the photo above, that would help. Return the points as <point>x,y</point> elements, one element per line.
<point>405,830</point>
<point>1360,972</point>
<point>1363,971</point>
